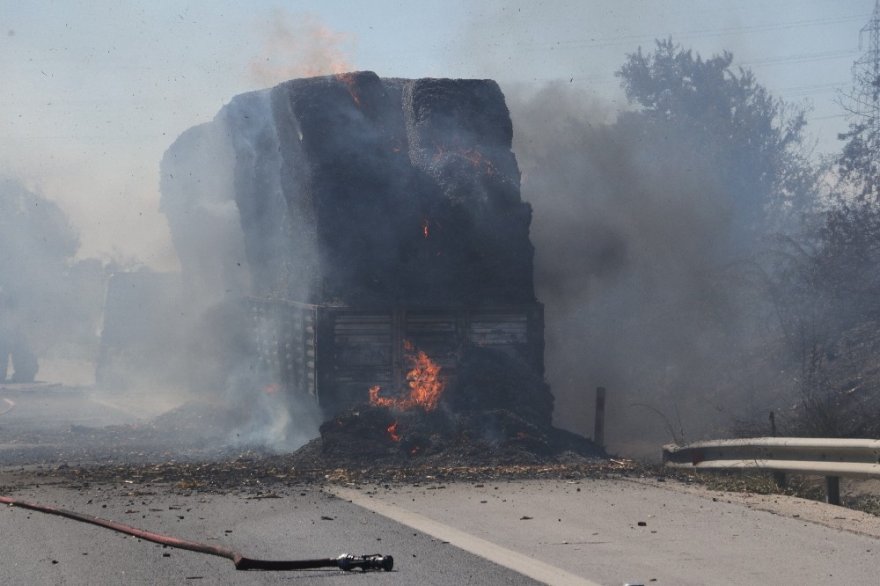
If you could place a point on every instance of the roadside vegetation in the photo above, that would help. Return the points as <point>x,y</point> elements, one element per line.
<point>727,271</point>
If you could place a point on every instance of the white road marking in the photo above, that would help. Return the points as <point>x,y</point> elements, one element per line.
<point>11,404</point>
<point>502,556</point>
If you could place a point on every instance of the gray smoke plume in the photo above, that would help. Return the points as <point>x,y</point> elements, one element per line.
<point>203,174</point>
<point>50,303</point>
<point>639,263</point>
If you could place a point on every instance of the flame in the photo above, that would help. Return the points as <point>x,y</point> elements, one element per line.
<point>348,80</point>
<point>423,380</point>
<point>272,388</point>
<point>299,45</point>
<point>477,160</point>
<point>378,401</point>
<point>392,432</point>
<point>426,227</point>
<point>472,156</point>
<point>425,386</point>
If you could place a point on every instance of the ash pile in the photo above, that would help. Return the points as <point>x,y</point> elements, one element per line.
<point>370,236</point>
<point>497,410</point>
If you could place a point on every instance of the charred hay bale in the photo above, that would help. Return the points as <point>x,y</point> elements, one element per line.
<point>505,429</point>
<point>490,379</point>
<point>563,441</point>
<point>336,181</point>
<point>460,112</point>
<point>360,431</point>
<point>380,432</point>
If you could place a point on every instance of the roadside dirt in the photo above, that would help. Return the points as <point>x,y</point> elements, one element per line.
<point>811,511</point>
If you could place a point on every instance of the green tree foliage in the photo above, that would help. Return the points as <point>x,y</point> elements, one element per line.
<point>859,163</point>
<point>828,284</point>
<point>40,279</point>
<point>753,141</point>
<point>35,237</point>
<point>848,250</point>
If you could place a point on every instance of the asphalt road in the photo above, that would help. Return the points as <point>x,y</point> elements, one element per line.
<point>44,549</point>
<point>47,408</point>
<point>562,532</point>
<point>610,531</point>
<point>53,424</point>
<point>622,531</point>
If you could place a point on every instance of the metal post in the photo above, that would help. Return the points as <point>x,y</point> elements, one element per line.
<point>832,490</point>
<point>599,424</point>
<point>779,479</point>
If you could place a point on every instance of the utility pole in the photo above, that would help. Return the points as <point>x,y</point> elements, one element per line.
<point>866,73</point>
<point>863,106</point>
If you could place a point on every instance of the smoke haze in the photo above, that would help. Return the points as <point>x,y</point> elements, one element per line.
<point>299,45</point>
<point>639,264</point>
<point>644,290</point>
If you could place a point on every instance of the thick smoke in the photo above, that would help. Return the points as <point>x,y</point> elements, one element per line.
<point>640,257</point>
<point>207,174</point>
<point>640,264</point>
<point>50,303</point>
<point>192,334</point>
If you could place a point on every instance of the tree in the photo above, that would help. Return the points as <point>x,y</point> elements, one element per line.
<point>647,231</point>
<point>830,276</point>
<point>755,141</point>
<point>859,163</point>
<point>37,246</point>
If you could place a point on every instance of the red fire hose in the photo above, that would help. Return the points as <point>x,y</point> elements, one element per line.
<point>345,561</point>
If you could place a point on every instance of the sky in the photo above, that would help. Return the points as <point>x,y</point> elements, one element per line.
<point>93,92</point>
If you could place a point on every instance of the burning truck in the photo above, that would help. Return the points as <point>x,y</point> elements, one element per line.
<point>368,241</point>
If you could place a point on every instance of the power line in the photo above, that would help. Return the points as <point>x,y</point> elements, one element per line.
<point>626,39</point>
<point>801,58</point>
<point>865,101</point>
<point>828,117</point>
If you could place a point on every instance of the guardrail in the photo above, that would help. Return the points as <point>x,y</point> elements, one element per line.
<point>829,457</point>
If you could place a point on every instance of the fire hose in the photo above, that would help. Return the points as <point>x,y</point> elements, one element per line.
<point>346,562</point>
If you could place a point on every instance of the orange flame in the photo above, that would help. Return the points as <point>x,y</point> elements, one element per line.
<point>392,432</point>
<point>423,380</point>
<point>348,80</point>
<point>477,160</point>
<point>299,45</point>
<point>378,401</point>
<point>426,227</point>
<point>425,386</point>
<point>473,156</point>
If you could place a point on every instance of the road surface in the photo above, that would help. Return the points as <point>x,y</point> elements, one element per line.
<point>585,531</point>
<point>605,531</point>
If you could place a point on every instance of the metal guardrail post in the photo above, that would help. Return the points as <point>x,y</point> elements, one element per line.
<point>832,490</point>
<point>599,423</point>
<point>780,479</point>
